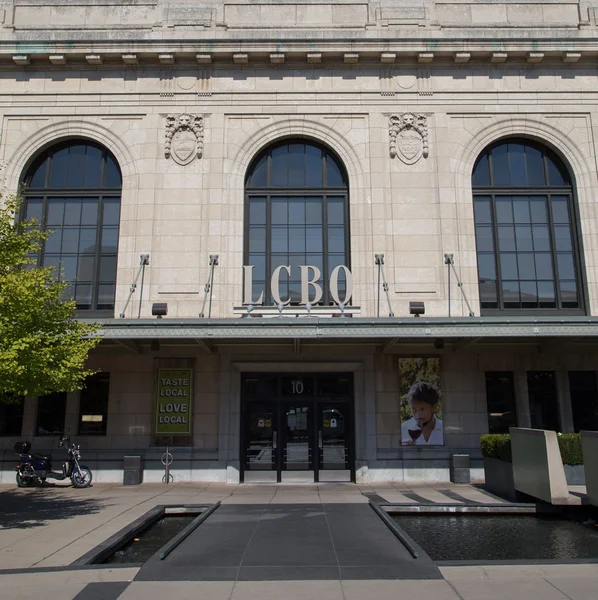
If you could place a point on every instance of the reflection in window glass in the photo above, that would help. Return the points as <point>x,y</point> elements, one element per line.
<point>70,207</point>
<point>500,399</point>
<point>528,233</point>
<point>543,403</point>
<point>93,405</point>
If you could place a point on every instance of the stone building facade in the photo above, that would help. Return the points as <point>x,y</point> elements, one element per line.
<point>398,113</point>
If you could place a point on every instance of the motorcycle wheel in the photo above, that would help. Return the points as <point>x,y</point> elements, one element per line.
<point>82,480</point>
<point>25,481</point>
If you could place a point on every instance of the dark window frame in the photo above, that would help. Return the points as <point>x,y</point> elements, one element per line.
<point>47,193</point>
<point>270,191</point>
<point>547,191</point>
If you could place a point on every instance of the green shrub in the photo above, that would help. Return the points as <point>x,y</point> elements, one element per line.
<point>570,447</point>
<point>495,445</point>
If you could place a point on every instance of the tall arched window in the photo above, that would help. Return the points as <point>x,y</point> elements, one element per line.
<point>296,213</point>
<point>526,230</point>
<point>73,189</point>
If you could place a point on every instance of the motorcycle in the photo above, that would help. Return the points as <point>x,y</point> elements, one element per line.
<point>34,469</point>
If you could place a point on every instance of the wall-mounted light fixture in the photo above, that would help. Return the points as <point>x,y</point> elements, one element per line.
<point>159,309</point>
<point>417,308</point>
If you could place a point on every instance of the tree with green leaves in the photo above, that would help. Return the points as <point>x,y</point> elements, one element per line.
<point>43,347</point>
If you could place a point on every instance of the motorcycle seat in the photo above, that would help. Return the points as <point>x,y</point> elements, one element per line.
<point>43,457</point>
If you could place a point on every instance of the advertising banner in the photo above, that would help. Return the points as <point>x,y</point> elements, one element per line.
<point>421,405</point>
<point>174,402</point>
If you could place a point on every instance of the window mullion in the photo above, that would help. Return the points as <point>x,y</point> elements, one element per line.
<point>499,290</point>
<point>557,285</point>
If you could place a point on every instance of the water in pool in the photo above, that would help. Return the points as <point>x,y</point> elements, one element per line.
<point>498,537</point>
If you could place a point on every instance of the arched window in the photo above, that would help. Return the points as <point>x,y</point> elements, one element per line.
<point>526,231</point>
<point>297,213</point>
<point>73,189</point>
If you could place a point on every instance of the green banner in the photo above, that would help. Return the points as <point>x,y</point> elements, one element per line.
<point>173,402</point>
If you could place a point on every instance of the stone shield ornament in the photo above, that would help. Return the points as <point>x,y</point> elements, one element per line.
<point>408,137</point>
<point>184,137</point>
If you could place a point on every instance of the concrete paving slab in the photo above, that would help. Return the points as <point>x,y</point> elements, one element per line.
<point>291,590</point>
<point>391,590</point>
<point>181,590</point>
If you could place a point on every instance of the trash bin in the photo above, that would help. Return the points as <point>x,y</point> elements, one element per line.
<point>460,468</point>
<point>133,470</point>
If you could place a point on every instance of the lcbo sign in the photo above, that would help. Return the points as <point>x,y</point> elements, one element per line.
<point>310,276</point>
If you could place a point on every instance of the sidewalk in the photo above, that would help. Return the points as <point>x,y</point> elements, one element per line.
<point>49,528</point>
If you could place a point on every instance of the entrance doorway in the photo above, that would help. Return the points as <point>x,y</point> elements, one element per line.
<point>297,427</point>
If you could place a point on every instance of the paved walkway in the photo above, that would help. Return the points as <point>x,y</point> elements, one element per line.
<point>42,531</point>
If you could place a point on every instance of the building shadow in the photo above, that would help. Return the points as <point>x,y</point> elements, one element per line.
<point>27,509</point>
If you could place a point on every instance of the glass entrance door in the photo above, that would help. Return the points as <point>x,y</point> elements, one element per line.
<point>297,428</point>
<point>335,427</point>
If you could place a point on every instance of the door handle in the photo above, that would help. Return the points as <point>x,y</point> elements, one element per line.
<point>274,441</point>
<point>320,445</point>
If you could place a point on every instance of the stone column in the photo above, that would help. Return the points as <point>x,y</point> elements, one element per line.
<point>522,398</point>
<point>564,400</point>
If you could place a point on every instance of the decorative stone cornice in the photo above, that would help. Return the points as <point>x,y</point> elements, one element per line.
<point>184,137</point>
<point>408,137</point>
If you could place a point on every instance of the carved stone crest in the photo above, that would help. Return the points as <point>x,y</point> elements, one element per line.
<point>184,137</point>
<point>408,137</point>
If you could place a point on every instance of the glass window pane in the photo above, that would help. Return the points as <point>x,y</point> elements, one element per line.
<point>111,210</point>
<point>259,263</point>
<point>76,166</point>
<point>535,167</point>
<point>258,175</point>
<point>109,239</point>
<point>315,260</point>
<point>70,240</point>
<point>257,211</point>
<point>52,260</point>
<point>280,166</point>
<point>510,291</point>
<point>257,239</point>
<point>51,410</point>
<point>543,403</point>
<point>517,164</point>
<point>481,173</point>
<point>68,265</point>
<point>93,405</point>
<point>297,165</point>
<point>113,177</point>
<point>541,238</point>
<point>521,209</point>
<point>544,265</point>
<point>89,212</point>
<point>297,211</point>
<point>336,239</point>
<point>72,211</point>
<point>508,265</point>
<point>569,298</point>
<point>93,168</point>
<point>83,296</point>
<point>34,209</point>
<point>584,400</point>
<point>334,260</point>
<point>279,211</point>
<point>556,173</point>
<point>38,179</point>
<point>55,211</point>
<point>523,233</point>
<point>313,211</point>
<point>86,268</point>
<point>566,269</point>
<point>313,166</point>
<point>560,209</point>
<point>506,238</point>
<point>108,268</point>
<point>87,240</point>
<point>488,297</point>
<point>562,238</point>
<point>483,212</point>
<point>529,296</point>
<point>526,266</point>
<point>500,165</point>
<point>333,173</point>
<point>58,168</point>
<point>54,242</point>
<point>297,239</point>
<point>336,210</point>
<point>105,296</point>
<point>500,399</point>
<point>538,207</point>
<point>278,260</point>
<point>504,210</point>
<point>484,238</point>
<point>486,267</point>
<point>546,294</point>
<point>279,239</point>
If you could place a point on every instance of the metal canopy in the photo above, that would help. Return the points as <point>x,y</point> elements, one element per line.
<point>347,328</point>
